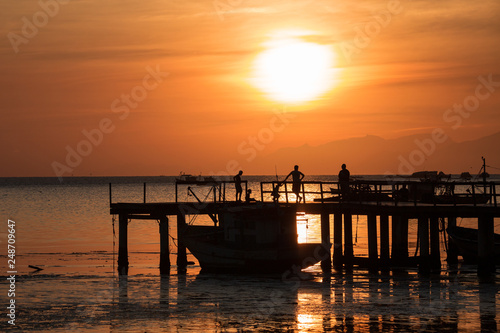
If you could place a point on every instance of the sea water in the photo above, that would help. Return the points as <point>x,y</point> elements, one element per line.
<point>65,229</point>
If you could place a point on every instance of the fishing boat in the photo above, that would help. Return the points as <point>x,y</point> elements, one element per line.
<point>449,192</point>
<point>357,192</point>
<point>466,242</point>
<point>251,238</point>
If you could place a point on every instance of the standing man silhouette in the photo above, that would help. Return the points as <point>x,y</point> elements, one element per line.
<point>237,185</point>
<point>344,176</point>
<point>297,177</point>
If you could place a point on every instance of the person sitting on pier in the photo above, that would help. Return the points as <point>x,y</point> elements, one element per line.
<point>276,192</point>
<point>403,194</point>
<point>237,185</point>
<point>297,177</point>
<point>344,176</point>
<point>248,197</point>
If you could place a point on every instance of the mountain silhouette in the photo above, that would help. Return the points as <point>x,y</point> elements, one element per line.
<point>405,155</point>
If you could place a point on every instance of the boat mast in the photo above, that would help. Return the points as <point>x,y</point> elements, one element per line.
<point>484,173</point>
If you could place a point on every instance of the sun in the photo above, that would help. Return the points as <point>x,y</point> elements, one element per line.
<point>292,70</point>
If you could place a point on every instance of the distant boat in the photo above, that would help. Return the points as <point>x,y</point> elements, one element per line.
<point>251,239</point>
<point>466,241</point>
<point>426,175</point>
<point>190,179</point>
<point>183,177</point>
<point>357,192</point>
<point>465,176</point>
<point>484,175</point>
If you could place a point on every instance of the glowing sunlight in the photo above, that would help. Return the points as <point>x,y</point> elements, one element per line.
<point>292,70</point>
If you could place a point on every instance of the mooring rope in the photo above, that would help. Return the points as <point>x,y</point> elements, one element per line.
<point>442,229</point>
<point>356,238</point>
<point>489,166</point>
<point>113,219</point>
<point>173,240</point>
<point>418,241</point>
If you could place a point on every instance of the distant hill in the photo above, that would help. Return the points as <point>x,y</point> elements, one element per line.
<point>375,155</point>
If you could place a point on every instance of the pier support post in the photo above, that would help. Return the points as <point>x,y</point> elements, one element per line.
<point>181,248</point>
<point>486,246</point>
<point>404,238</point>
<point>399,240</point>
<point>452,257</point>
<point>348,244</point>
<point>123,245</point>
<point>384,239</point>
<point>164,246</point>
<point>435,246</point>
<point>326,264</point>
<point>372,241</point>
<point>423,235</point>
<point>337,240</point>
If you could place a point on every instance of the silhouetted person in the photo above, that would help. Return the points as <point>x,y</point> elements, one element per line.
<point>248,196</point>
<point>276,192</point>
<point>344,176</point>
<point>403,193</point>
<point>297,177</point>
<point>237,185</point>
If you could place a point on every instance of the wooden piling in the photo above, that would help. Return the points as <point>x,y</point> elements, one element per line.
<point>326,264</point>
<point>423,236</point>
<point>435,255</point>
<point>372,240</point>
<point>399,240</point>
<point>486,246</point>
<point>404,237</point>
<point>123,244</point>
<point>110,194</point>
<point>384,239</point>
<point>348,244</point>
<point>452,255</point>
<point>181,248</point>
<point>337,240</point>
<point>164,246</point>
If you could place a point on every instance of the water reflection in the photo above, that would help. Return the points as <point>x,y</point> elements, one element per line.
<point>122,290</point>
<point>393,302</point>
<point>165,291</point>
<point>487,306</point>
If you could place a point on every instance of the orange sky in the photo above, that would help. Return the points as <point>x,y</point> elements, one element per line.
<point>69,77</point>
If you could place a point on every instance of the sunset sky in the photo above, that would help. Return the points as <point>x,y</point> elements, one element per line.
<point>159,87</point>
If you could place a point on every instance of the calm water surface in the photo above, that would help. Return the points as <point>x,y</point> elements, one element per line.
<point>66,229</point>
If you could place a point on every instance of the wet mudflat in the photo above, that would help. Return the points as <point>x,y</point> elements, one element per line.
<point>93,298</point>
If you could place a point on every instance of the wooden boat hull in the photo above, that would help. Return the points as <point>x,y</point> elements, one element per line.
<point>466,242</point>
<point>252,240</point>
<point>219,258</point>
<point>458,199</point>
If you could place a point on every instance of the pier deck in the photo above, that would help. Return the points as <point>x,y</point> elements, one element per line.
<point>383,251</point>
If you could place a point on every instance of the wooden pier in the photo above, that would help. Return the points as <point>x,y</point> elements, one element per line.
<point>387,217</point>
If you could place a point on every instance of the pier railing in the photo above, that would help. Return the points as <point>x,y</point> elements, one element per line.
<point>395,192</point>
<point>218,187</point>
<point>375,191</point>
